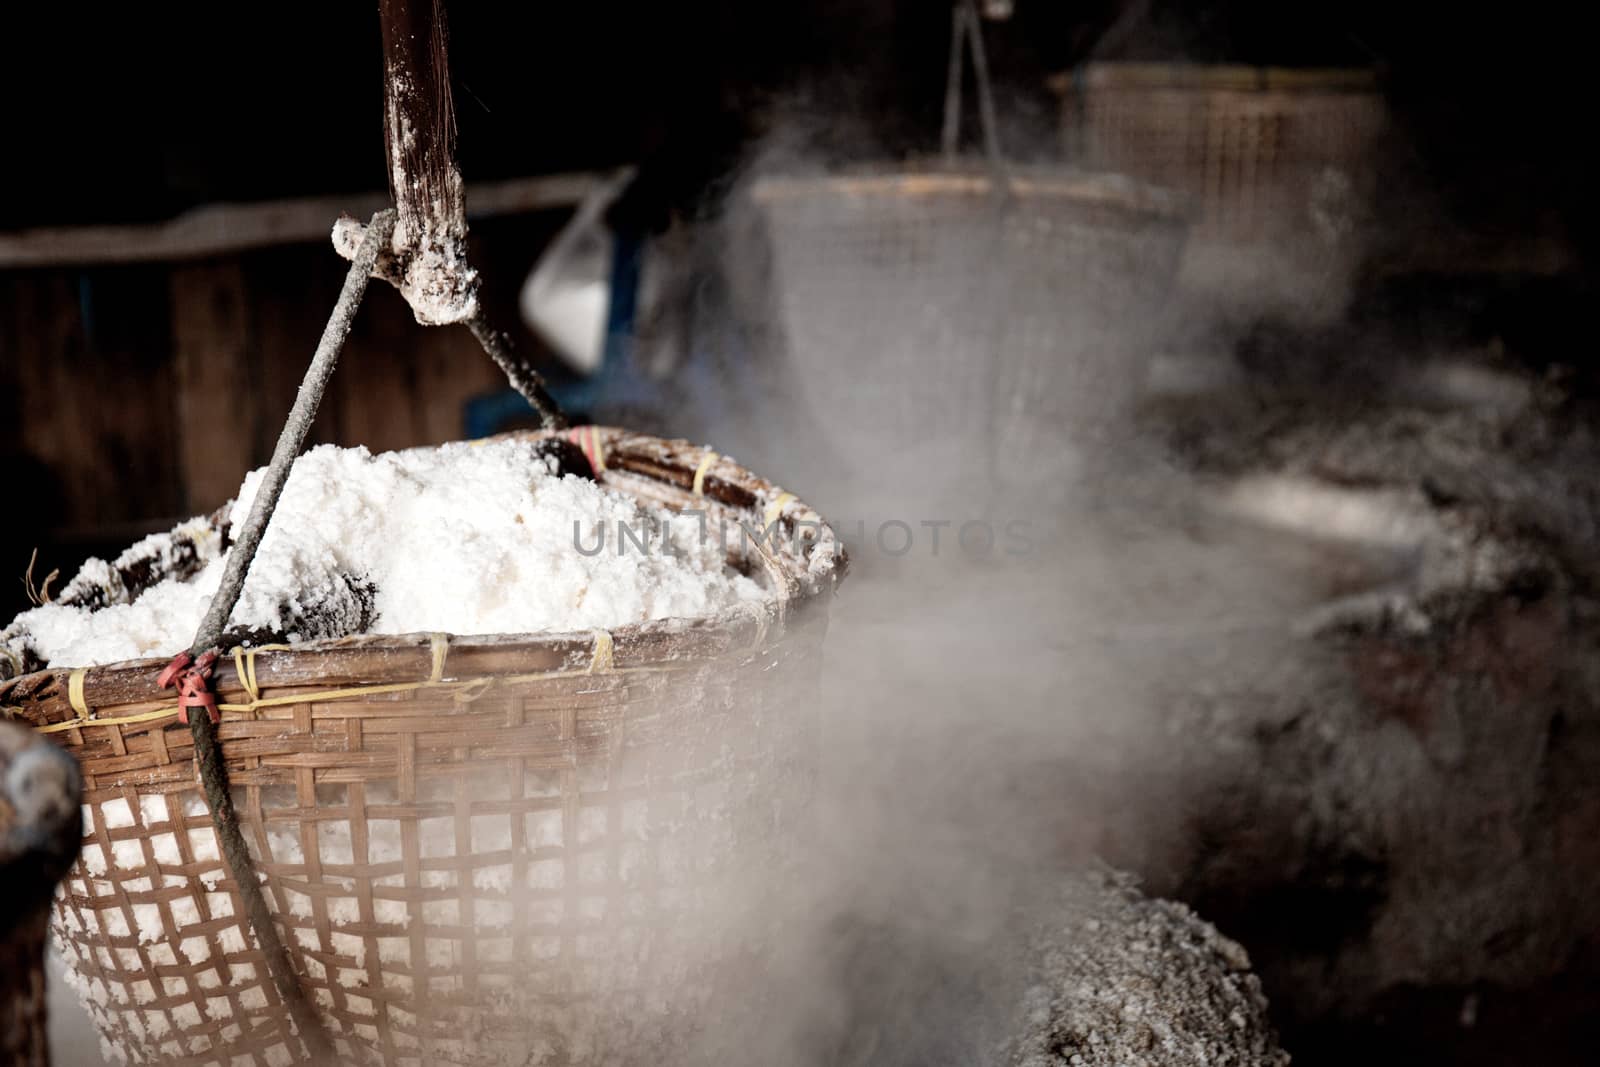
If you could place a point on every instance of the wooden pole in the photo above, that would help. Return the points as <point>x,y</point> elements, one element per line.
<point>419,135</point>
<point>427,258</point>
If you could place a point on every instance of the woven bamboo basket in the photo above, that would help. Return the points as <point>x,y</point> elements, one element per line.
<point>933,314</point>
<point>1281,163</point>
<point>479,850</point>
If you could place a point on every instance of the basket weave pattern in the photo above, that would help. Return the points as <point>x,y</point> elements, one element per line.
<point>479,851</point>
<point>1248,144</point>
<point>1011,319</point>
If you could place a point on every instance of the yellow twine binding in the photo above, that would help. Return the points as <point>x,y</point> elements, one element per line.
<point>604,659</point>
<point>700,472</point>
<point>596,449</point>
<point>603,662</point>
<point>75,693</point>
<point>439,644</point>
<point>246,678</point>
<point>244,661</point>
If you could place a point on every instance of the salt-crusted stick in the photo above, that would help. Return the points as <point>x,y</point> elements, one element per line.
<point>517,370</point>
<point>426,258</point>
<point>207,751</point>
<point>295,429</point>
<point>421,277</point>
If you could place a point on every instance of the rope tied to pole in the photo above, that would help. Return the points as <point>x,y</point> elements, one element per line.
<point>419,247</point>
<point>190,671</point>
<point>966,27</point>
<point>424,257</point>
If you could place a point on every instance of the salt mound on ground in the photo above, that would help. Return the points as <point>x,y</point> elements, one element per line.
<point>1123,980</point>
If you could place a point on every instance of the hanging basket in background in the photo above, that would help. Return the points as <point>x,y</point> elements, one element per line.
<point>1281,164</point>
<point>964,322</point>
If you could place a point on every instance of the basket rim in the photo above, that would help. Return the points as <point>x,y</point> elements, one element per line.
<point>1226,77</point>
<point>940,178</point>
<point>668,471</point>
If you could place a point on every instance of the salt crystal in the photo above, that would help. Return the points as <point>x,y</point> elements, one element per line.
<point>469,538</point>
<point>436,837</point>
<point>543,829</point>
<point>441,912</point>
<point>390,912</point>
<point>333,842</point>
<point>285,846</point>
<point>116,814</point>
<point>394,950</point>
<point>490,833</point>
<point>128,855</point>
<point>153,809</point>
<point>440,952</point>
<point>299,904</point>
<point>383,840</point>
<point>342,911</point>
<point>165,847</point>
<point>351,948</point>
<point>203,845</point>
<point>495,879</point>
<point>148,918</point>
<point>185,912</point>
<point>94,859</point>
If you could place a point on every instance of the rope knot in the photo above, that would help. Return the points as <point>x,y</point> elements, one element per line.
<point>192,679</point>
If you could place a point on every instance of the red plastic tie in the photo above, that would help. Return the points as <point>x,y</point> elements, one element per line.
<point>588,439</point>
<point>193,681</point>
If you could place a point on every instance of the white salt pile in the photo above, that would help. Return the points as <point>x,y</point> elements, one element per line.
<point>470,538</point>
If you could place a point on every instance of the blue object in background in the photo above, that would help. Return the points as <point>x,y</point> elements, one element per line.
<point>611,385</point>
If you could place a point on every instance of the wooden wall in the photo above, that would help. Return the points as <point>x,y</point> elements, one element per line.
<point>133,395</point>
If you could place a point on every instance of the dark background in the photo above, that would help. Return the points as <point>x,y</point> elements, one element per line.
<point>122,112</point>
